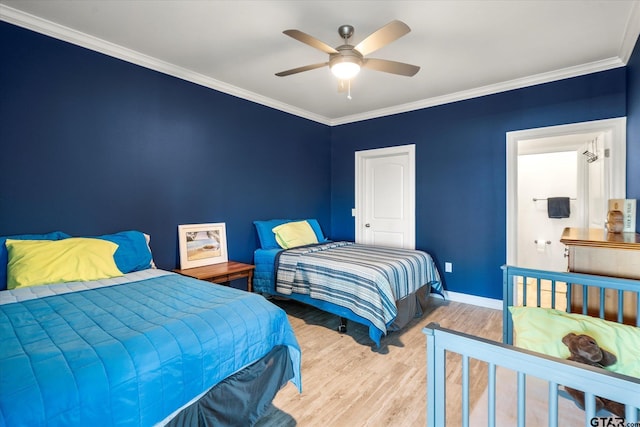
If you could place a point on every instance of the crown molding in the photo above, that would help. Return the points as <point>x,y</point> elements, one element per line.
<point>60,32</point>
<point>564,73</point>
<point>631,33</point>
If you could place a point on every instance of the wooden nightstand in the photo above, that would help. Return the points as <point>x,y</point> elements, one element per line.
<point>221,273</point>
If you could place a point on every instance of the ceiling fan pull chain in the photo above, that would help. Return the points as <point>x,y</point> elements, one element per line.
<point>349,90</point>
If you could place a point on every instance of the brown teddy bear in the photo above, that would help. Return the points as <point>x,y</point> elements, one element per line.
<point>585,349</point>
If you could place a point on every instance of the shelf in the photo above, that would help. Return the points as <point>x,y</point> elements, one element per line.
<point>594,237</point>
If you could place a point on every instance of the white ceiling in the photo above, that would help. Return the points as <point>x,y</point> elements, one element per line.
<point>464,48</point>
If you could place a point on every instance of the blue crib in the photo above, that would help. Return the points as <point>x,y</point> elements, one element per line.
<point>595,294</point>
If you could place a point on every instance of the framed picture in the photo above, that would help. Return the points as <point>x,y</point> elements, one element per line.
<point>202,244</point>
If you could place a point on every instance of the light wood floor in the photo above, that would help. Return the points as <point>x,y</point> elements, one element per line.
<point>347,381</point>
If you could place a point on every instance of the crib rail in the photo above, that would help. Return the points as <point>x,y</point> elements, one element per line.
<point>596,293</point>
<point>556,372</point>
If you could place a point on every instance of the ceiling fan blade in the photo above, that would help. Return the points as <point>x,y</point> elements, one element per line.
<point>310,40</point>
<point>392,67</point>
<point>301,69</point>
<point>382,37</point>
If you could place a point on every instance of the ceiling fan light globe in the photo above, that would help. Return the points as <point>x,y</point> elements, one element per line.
<point>345,70</point>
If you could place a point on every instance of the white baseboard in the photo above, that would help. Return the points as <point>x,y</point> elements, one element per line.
<point>495,304</point>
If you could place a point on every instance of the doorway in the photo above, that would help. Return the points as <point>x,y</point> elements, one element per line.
<point>385,196</point>
<point>561,159</point>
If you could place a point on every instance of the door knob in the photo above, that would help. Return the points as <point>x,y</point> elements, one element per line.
<point>367,225</point>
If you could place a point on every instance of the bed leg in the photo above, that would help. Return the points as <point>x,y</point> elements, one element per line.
<point>342,328</point>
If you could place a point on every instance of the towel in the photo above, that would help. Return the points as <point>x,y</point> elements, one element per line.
<point>558,207</point>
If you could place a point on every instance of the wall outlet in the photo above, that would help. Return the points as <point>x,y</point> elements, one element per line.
<point>448,267</point>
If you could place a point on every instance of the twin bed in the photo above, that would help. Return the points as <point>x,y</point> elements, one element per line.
<point>144,347</point>
<point>532,375</point>
<point>381,288</point>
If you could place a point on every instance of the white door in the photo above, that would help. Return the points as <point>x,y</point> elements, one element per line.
<point>385,197</point>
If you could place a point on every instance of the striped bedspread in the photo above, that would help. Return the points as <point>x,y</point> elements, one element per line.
<point>365,279</point>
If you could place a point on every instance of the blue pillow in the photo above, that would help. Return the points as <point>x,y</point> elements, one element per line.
<point>4,256</point>
<point>268,238</point>
<point>133,253</point>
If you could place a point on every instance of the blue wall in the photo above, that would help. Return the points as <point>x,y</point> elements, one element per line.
<point>461,167</point>
<point>93,145</point>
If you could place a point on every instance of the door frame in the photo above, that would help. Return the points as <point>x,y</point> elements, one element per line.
<point>361,158</point>
<point>617,177</point>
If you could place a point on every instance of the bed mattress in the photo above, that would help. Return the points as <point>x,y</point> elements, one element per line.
<point>128,353</point>
<point>366,284</point>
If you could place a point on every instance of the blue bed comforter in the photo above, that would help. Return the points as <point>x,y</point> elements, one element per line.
<point>129,354</point>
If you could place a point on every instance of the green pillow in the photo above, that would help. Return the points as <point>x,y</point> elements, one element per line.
<point>294,234</point>
<point>542,330</point>
<point>40,262</point>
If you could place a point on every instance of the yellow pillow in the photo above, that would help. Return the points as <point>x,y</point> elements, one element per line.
<point>293,234</point>
<point>40,262</point>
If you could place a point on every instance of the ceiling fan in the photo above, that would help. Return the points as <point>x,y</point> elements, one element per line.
<point>346,60</point>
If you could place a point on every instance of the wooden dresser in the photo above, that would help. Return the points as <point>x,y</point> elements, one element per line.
<point>595,251</point>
